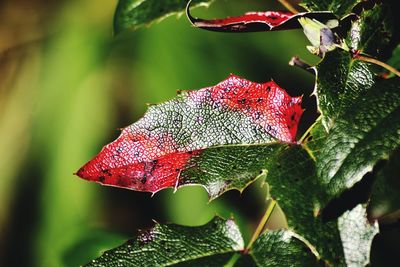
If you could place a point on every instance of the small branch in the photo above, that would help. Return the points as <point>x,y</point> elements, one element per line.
<point>377,62</point>
<point>297,62</point>
<point>261,225</point>
<point>288,6</point>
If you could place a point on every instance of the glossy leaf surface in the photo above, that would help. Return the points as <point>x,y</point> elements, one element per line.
<point>367,132</point>
<point>168,146</point>
<point>166,245</point>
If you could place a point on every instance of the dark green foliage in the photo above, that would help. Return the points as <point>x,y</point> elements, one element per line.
<point>339,7</point>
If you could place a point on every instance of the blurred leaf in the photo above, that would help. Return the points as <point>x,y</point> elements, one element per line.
<point>137,13</point>
<point>175,143</point>
<point>394,60</point>
<point>385,198</point>
<point>89,245</point>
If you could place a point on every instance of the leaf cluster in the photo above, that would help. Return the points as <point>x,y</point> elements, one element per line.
<point>351,150</point>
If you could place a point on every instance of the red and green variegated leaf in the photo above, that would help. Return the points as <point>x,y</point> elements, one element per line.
<point>257,21</point>
<point>198,132</point>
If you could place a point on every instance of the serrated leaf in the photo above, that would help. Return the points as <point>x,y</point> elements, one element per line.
<point>358,113</point>
<point>258,21</point>
<point>166,245</point>
<point>168,146</point>
<point>217,243</point>
<point>385,198</point>
<point>301,195</point>
<point>367,132</point>
<point>340,79</point>
<point>132,14</point>
<point>339,7</point>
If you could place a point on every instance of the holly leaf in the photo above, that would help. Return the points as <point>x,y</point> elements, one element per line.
<point>366,133</point>
<point>359,113</point>
<point>340,79</point>
<point>338,7</point>
<point>302,195</point>
<point>206,137</point>
<point>132,14</point>
<point>257,21</point>
<point>217,243</point>
<point>165,245</point>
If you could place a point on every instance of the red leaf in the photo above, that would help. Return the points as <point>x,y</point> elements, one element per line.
<point>150,154</point>
<point>257,21</point>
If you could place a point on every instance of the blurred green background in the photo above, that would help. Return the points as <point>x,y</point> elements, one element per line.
<point>67,85</point>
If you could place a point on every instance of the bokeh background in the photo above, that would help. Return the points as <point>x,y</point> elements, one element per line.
<point>67,85</point>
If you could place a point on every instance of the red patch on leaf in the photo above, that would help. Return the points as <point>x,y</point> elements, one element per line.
<point>149,158</point>
<point>267,104</point>
<point>257,21</point>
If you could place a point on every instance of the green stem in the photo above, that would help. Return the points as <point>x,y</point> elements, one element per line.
<point>379,63</point>
<point>261,225</point>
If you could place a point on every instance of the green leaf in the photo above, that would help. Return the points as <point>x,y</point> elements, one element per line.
<point>282,248</point>
<point>367,132</point>
<point>132,14</point>
<point>301,194</point>
<point>217,243</point>
<point>224,168</point>
<point>358,113</point>
<point>357,235</point>
<point>394,60</point>
<point>339,7</point>
<point>385,199</point>
<point>340,80</point>
<point>166,245</point>
<point>293,183</point>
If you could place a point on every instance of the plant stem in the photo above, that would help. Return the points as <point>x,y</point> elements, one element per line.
<point>297,62</point>
<point>261,224</point>
<point>378,62</point>
<point>288,6</point>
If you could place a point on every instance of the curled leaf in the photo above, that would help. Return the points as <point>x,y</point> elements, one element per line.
<point>257,21</point>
